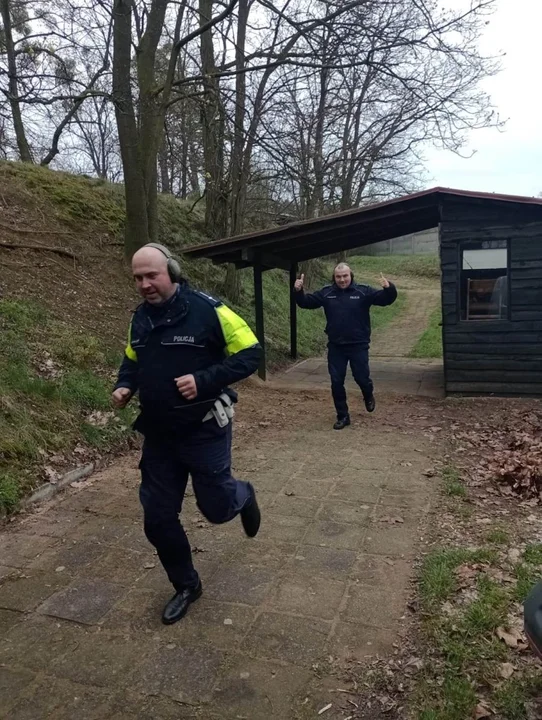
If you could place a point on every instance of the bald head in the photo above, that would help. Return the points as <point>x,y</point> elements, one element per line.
<point>149,267</point>
<point>342,275</point>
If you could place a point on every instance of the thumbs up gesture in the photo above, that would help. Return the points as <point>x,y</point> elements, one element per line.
<point>298,285</point>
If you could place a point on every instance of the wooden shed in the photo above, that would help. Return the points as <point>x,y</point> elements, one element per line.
<point>491,265</point>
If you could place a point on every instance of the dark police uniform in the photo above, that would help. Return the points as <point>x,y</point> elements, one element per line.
<point>349,333</point>
<point>190,334</point>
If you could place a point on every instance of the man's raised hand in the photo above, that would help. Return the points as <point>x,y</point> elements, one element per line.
<point>384,282</point>
<point>298,285</point>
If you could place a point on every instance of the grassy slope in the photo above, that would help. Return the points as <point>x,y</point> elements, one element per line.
<point>63,321</point>
<point>429,345</point>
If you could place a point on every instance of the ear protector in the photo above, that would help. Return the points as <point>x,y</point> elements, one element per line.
<point>173,267</point>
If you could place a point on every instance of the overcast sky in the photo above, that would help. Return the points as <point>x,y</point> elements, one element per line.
<point>508,161</point>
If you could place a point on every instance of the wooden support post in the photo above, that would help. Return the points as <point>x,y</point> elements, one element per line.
<point>293,312</point>
<point>258,301</point>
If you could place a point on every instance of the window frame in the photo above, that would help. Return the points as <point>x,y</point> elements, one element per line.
<point>475,245</point>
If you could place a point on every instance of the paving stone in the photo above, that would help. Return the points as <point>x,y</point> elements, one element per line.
<point>88,500</point>
<point>295,640</point>
<point>283,529</point>
<point>121,566</point>
<point>133,539</point>
<point>163,708</point>
<point>6,572</point>
<point>397,540</point>
<point>287,505</point>
<point>382,571</point>
<point>321,471</point>
<point>157,580</point>
<point>270,482</point>
<point>309,487</point>
<point>186,674</point>
<point>8,619</point>
<point>266,500</point>
<point>354,641</point>
<point>405,498</point>
<point>100,660</point>
<point>374,606</point>
<point>243,584</point>
<point>79,702</point>
<point>263,553</point>
<point>25,593</point>
<point>363,464</point>
<point>213,542</point>
<point>343,512</point>
<point>216,624</point>
<point>320,692</point>
<point>258,690</point>
<point>321,561</point>
<point>86,601</point>
<point>126,505</point>
<point>36,642</point>
<point>356,491</point>
<point>108,530</point>
<point>71,555</point>
<point>313,597</point>
<point>53,523</point>
<point>140,611</point>
<point>336,535</point>
<point>18,549</point>
<point>12,684</point>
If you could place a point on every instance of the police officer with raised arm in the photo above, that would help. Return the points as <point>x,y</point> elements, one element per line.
<point>346,306</point>
<point>184,349</point>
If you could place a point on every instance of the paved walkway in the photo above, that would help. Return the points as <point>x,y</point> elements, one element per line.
<point>325,583</point>
<point>396,376</point>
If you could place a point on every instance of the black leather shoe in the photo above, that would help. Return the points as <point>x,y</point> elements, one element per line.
<point>370,403</point>
<point>178,606</point>
<point>341,423</point>
<point>251,516</point>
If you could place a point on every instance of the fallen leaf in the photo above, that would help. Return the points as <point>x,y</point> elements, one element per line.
<point>149,566</point>
<point>228,621</point>
<point>60,568</point>
<point>506,670</point>
<point>512,638</point>
<point>325,709</point>
<point>482,711</point>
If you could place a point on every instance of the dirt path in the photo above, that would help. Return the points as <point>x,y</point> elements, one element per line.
<point>325,583</point>
<point>399,337</point>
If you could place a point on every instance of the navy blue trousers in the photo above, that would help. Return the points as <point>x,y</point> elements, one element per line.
<point>338,357</point>
<point>165,465</point>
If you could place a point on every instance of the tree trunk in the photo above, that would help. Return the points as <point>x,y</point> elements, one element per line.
<point>137,222</point>
<point>213,133</point>
<point>165,185</point>
<point>238,187</point>
<point>25,153</point>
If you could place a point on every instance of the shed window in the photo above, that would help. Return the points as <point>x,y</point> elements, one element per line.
<point>484,280</point>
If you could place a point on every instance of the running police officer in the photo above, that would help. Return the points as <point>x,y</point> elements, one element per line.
<point>346,306</point>
<point>184,349</point>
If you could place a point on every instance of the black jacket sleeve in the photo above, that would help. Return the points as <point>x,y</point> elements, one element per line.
<point>386,296</point>
<point>231,370</point>
<point>127,377</point>
<point>311,301</point>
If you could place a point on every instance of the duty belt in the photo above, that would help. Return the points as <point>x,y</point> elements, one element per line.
<point>222,411</point>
